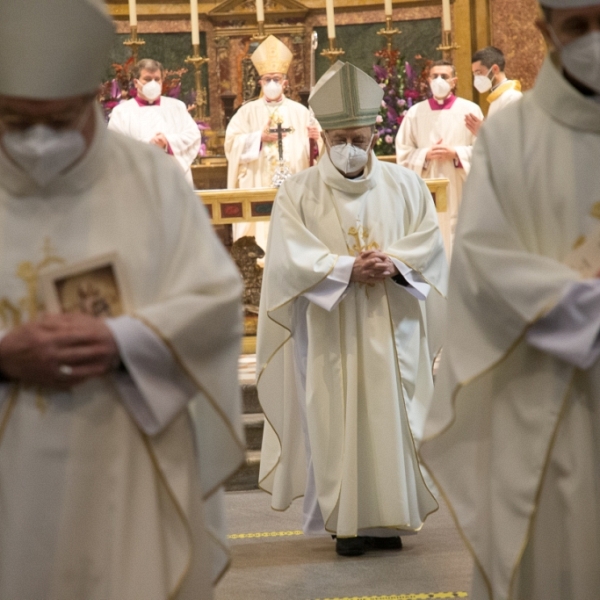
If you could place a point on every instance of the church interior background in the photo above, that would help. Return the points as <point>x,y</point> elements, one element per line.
<point>228,31</point>
<point>271,557</point>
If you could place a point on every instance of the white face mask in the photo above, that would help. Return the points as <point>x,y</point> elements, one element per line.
<point>440,88</point>
<point>152,90</point>
<point>348,158</point>
<point>483,83</point>
<point>581,58</point>
<point>273,90</point>
<point>42,152</point>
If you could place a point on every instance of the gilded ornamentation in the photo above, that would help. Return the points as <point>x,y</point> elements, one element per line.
<point>361,236</point>
<point>29,306</point>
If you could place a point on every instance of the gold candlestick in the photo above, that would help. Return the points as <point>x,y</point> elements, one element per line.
<point>333,53</point>
<point>197,61</point>
<point>260,36</point>
<point>134,43</point>
<point>390,31</point>
<point>447,46</point>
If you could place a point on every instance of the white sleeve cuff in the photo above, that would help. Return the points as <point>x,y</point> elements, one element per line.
<point>417,287</point>
<point>155,390</point>
<point>570,330</point>
<point>330,292</point>
<point>251,150</point>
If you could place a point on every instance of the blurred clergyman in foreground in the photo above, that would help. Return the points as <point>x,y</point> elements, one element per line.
<point>515,420</point>
<point>115,433</point>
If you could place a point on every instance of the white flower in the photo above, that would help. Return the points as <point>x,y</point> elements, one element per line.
<point>379,119</point>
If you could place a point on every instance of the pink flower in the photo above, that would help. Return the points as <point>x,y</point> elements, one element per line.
<point>388,139</point>
<point>379,119</point>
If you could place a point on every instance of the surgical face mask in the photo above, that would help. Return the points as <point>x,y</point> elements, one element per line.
<point>42,152</point>
<point>440,88</point>
<point>483,83</point>
<point>152,90</point>
<point>581,58</point>
<point>348,158</point>
<point>273,90</point>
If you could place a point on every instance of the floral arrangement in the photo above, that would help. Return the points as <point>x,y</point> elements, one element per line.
<point>121,87</point>
<point>403,86</point>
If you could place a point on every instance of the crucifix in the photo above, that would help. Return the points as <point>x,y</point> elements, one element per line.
<point>282,171</point>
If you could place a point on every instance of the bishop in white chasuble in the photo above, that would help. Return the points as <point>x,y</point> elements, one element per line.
<point>341,382</point>
<point>252,147</point>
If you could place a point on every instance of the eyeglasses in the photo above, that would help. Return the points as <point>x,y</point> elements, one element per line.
<point>275,79</point>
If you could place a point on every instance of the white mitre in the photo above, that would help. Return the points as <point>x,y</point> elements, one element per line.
<point>52,49</point>
<point>569,3</point>
<point>346,97</point>
<point>272,56</point>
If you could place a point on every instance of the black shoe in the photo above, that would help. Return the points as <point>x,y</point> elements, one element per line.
<point>383,543</point>
<point>350,546</point>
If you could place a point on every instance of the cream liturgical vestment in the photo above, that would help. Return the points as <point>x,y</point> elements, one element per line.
<point>426,124</point>
<point>252,163</point>
<point>91,506</point>
<point>366,359</point>
<point>142,121</point>
<point>515,429</point>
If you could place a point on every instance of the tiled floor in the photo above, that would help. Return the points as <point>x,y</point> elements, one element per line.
<point>286,566</point>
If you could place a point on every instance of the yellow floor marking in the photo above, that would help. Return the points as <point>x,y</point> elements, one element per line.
<point>264,534</point>
<point>405,596</point>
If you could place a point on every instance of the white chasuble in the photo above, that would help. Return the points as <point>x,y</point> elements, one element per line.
<point>90,506</point>
<point>422,128</point>
<point>367,359</point>
<point>514,431</point>
<point>252,163</point>
<point>169,117</point>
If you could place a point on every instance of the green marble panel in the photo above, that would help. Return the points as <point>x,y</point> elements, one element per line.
<point>360,42</point>
<point>171,49</point>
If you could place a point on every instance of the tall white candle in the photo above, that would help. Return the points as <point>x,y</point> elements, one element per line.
<point>446,20</point>
<point>195,26</point>
<point>330,19</point>
<point>388,8</point>
<point>260,11</point>
<point>132,13</point>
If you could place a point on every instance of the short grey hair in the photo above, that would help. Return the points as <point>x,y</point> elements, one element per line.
<point>148,64</point>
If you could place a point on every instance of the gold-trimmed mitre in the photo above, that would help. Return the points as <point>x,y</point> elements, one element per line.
<point>346,97</point>
<point>52,49</point>
<point>272,56</point>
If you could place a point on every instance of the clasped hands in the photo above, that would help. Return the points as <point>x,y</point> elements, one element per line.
<point>372,266</point>
<point>58,351</point>
<point>439,151</point>
<point>161,141</point>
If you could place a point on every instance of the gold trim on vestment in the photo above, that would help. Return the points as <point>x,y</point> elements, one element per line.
<point>536,501</point>
<point>211,400</point>
<point>178,509</point>
<point>10,405</point>
<point>511,84</point>
<point>454,398</point>
<point>268,361</point>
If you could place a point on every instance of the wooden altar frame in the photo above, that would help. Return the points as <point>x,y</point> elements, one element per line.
<point>242,206</point>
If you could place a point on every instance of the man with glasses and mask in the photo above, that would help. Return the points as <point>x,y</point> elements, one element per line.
<point>354,264</point>
<point>252,146</point>
<point>488,65</point>
<point>434,141</point>
<point>514,424</point>
<point>159,120</point>
<point>115,432</point>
